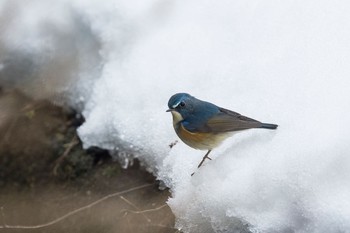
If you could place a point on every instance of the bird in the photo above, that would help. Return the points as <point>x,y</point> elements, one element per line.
<point>204,126</point>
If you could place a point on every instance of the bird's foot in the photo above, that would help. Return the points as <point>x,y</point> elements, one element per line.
<point>204,158</point>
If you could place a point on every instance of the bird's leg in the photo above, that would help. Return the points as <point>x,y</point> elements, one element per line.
<point>205,157</point>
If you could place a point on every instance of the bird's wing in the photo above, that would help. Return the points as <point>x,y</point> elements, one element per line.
<point>227,120</point>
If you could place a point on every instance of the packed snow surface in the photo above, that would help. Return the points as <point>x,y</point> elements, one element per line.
<point>284,62</point>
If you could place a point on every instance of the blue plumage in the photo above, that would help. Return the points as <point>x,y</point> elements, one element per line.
<point>203,125</point>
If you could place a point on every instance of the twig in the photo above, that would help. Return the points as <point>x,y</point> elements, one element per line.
<point>72,212</point>
<point>146,211</point>
<point>70,146</point>
<point>171,145</point>
<point>133,205</point>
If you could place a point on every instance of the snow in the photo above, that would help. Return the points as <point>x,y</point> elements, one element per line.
<point>46,48</point>
<point>283,62</point>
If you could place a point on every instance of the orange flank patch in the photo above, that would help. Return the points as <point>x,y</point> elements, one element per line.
<point>201,141</point>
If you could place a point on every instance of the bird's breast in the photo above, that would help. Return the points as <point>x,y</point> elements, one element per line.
<point>198,140</point>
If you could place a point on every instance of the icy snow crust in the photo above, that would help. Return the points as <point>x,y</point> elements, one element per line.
<point>283,62</point>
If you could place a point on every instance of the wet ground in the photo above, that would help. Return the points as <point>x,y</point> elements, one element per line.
<point>48,183</point>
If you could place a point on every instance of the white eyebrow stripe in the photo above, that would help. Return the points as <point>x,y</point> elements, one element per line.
<point>177,104</point>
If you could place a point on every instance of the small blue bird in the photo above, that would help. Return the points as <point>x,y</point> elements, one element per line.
<point>203,125</point>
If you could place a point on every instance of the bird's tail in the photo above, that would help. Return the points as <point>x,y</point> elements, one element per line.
<point>268,126</point>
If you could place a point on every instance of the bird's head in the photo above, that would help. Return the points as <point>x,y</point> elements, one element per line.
<point>181,105</point>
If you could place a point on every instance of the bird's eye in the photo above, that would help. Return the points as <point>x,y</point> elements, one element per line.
<point>182,104</point>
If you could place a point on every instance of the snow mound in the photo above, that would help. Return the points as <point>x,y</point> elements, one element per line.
<point>279,62</point>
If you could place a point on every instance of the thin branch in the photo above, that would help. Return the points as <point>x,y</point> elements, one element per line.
<point>133,205</point>
<point>148,210</point>
<point>72,212</point>
<point>171,145</point>
<point>70,146</point>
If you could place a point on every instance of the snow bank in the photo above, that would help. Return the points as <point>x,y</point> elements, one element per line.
<point>283,62</point>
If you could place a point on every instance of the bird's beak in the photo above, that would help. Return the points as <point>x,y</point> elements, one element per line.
<point>169,110</point>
